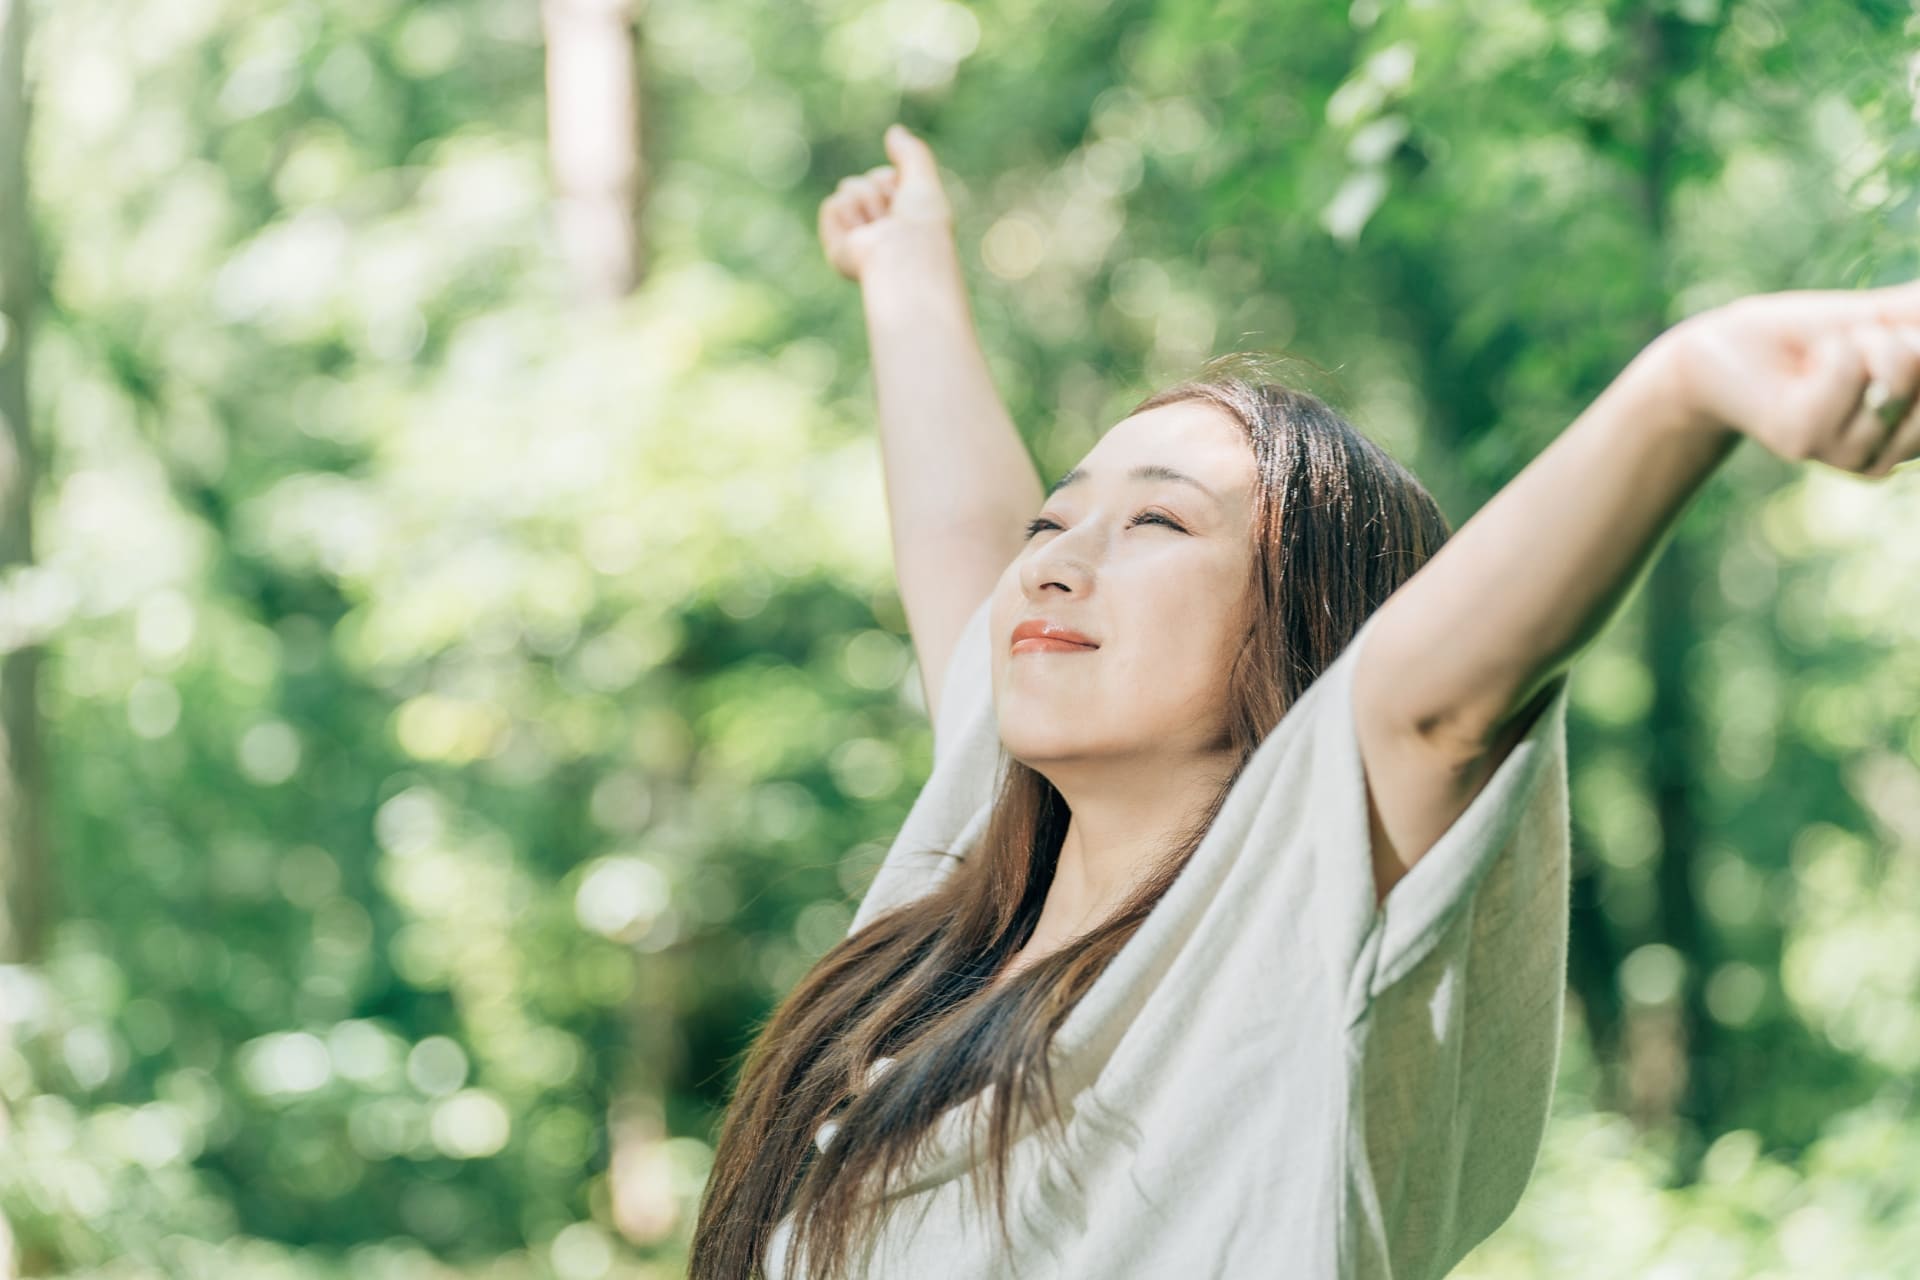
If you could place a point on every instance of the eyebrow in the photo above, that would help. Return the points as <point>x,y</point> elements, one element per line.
<point>1151,471</point>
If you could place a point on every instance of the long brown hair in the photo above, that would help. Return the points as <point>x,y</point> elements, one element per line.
<point>1338,524</point>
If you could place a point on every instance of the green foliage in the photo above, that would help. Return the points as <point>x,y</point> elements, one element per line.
<point>470,714</point>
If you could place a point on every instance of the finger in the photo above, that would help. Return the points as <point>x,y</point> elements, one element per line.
<point>1895,303</point>
<point>1903,448</point>
<point>1888,304</point>
<point>1903,442</point>
<point>840,212</point>
<point>1809,419</point>
<point>1893,365</point>
<point>856,198</point>
<point>833,237</point>
<point>872,203</point>
<point>913,157</point>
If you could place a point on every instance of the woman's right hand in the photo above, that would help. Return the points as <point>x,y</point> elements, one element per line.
<point>894,203</point>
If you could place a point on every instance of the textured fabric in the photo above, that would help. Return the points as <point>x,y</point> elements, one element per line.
<point>1273,1077</point>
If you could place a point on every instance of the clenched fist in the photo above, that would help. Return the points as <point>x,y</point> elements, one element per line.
<point>894,202</point>
<point>1831,375</point>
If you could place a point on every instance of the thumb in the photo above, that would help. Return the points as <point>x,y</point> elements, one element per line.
<point>911,157</point>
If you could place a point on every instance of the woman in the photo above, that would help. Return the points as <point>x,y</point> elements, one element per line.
<point>1228,936</point>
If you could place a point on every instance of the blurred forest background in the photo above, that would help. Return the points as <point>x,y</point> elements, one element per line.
<point>453,681</point>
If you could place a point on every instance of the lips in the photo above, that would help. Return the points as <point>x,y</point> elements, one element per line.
<point>1049,635</point>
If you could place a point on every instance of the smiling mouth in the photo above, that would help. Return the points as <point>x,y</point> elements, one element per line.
<point>1050,644</point>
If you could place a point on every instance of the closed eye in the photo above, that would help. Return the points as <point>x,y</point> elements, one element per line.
<point>1038,523</point>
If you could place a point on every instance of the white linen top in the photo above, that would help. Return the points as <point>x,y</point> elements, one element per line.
<point>1274,1077</point>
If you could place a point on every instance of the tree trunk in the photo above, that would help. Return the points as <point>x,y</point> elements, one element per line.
<point>593,142</point>
<point>23,897</point>
<point>1673,1041</point>
<point>594,149</point>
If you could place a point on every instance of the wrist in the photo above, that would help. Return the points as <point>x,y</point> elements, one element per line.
<point>916,286</point>
<point>1661,382</point>
<point>912,258</point>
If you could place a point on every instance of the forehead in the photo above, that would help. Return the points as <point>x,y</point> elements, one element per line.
<point>1193,436</point>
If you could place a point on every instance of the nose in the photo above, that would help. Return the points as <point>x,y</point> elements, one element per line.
<point>1061,563</point>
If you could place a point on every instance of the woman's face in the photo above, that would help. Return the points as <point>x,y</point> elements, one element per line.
<point>1151,568</point>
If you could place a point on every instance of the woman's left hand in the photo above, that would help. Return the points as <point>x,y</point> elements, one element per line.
<point>1826,374</point>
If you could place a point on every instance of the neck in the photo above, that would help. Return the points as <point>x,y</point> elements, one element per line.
<point>1124,819</point>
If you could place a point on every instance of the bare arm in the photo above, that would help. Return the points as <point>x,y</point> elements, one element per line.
<point>1517,593</point>
<point>1467,651</point>
<point>959,479</point>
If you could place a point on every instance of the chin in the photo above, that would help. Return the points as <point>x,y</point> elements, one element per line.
<point>1036,749</point>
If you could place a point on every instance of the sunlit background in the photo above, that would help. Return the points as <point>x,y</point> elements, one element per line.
<point>471,687</point>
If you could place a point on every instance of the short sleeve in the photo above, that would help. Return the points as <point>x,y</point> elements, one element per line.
<point>953,806</point>
<point>1517,823</point>
<point>1455,1004</point>
<point>966,687</point>
<point>1279,895</point>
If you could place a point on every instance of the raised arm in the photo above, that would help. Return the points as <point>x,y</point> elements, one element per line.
<point>1465,652</point>
<point>959,478</point>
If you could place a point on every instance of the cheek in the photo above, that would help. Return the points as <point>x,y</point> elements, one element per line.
<point>1190,672</point>
<point>1198,624</point>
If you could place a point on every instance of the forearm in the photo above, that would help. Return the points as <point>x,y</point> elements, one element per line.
<point>1521,589</point>
<point>954,462</point>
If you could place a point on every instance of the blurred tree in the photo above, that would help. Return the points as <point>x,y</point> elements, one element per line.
<point>475,709</point>
<point>22,848</point>
<point>23,880</point>
<point>594,114</point>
